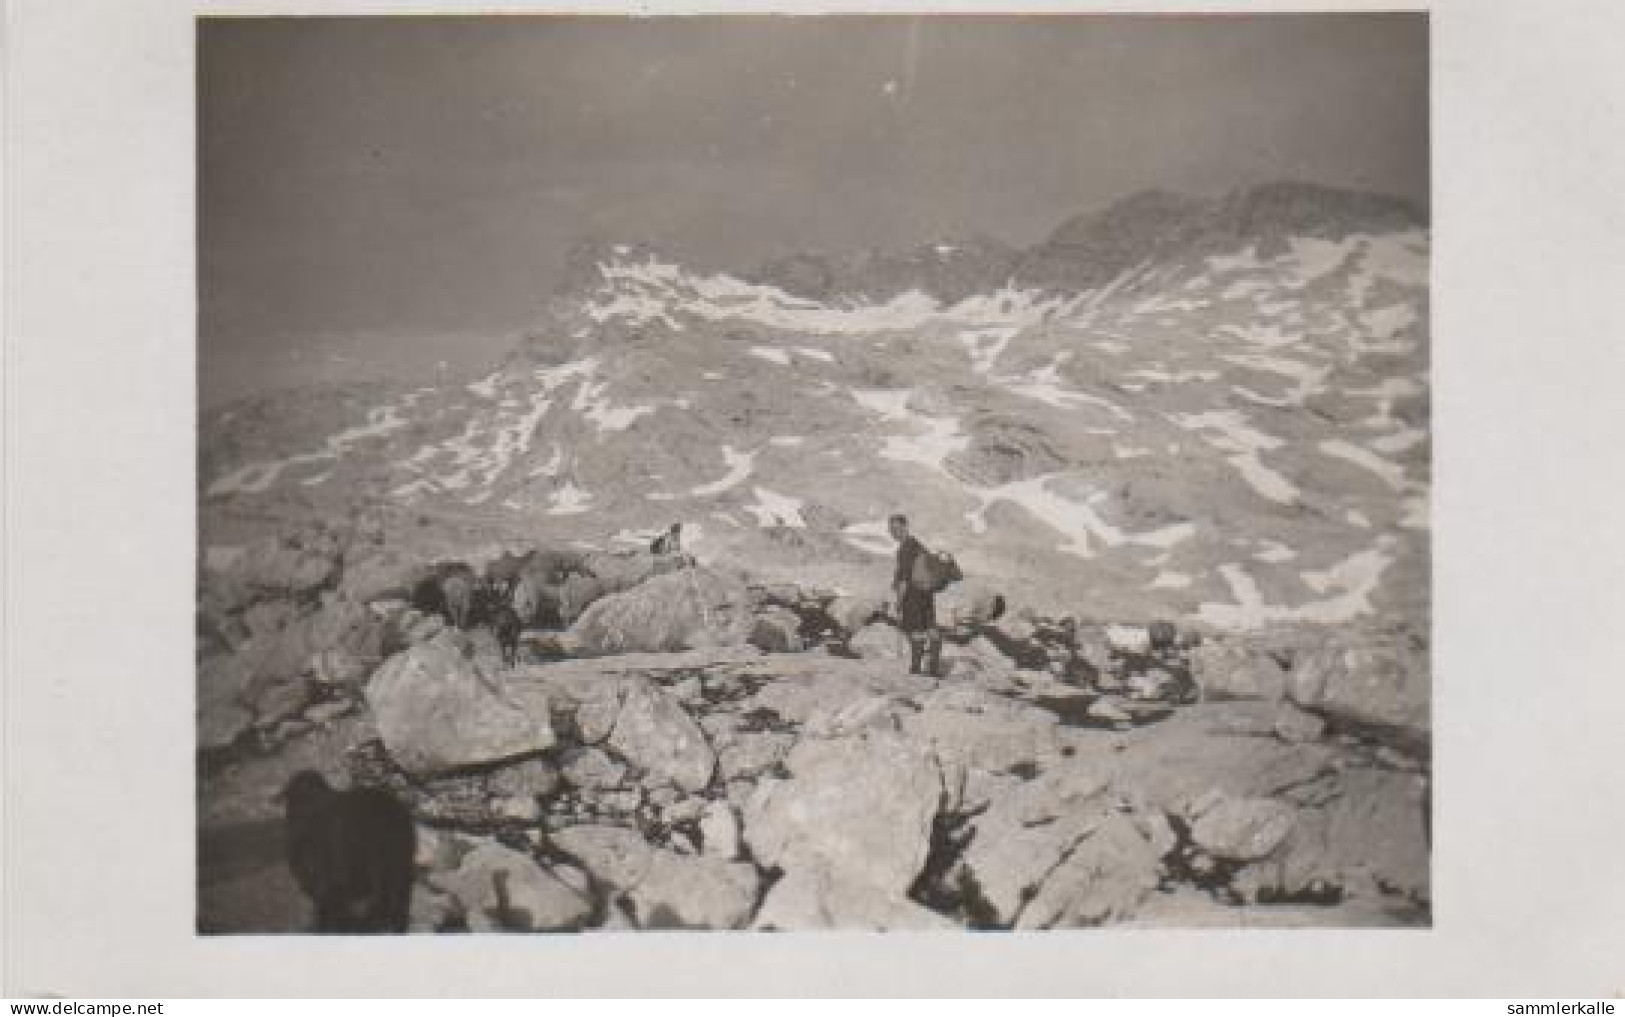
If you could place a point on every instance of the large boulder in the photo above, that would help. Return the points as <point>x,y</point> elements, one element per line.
<point>436,711</point>
<point>409,628</point>
<point>529,778</point>
<point>574,595</point>
<point>1016,641</point>
<point>348,641</point>
<point>626,570</point>
<point>858,808</point>
<point>615,855</point>
<point>880,641</point>
<point>811,898</point>
<point>288,566</point>
<point>992,659</point>
<point>687,892</point>
<point>978,660</point>
<point>776,630</point>
<point>655,734</point>
<point>501,889</point>
<point>1208,748</point>
<point>379,575</point>
<point>568,583</point>
<point>1367,836</point>
<point>591,769</point>
<point>804,688</point>
<point>1295,725</point>
<point>853,613</point>
<point>754,752</point>
<point>719,831</point>
<point>1375,679</point>
<point>1240,829</point>
<point>1236,667</point>
<point>978,730</point>
<point>1356,826</point>
<point>970,603</point>
<point>688,609</point>
<point>1104,878</point>
<point>1024,834</point>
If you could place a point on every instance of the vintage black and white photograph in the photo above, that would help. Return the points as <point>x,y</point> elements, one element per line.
<point>854,472</point>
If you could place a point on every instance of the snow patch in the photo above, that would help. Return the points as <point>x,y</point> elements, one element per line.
<point>1274,552</point>
<point>1159,303</point>
<point>250,479</point>
<point>1242,261</point>
<point>1044,385</point>
<point>1075,520</point>
<point>1386,322</point>
<point>591,402</point>
<point>739,466</point>
<point>934,438</point>
<point>1354,580</point>
<point>1391,473</point>
<point>1157,374</point>
<point>1310,378</point>
<point>777,356</point>
<point>872,537</point>
<point>892,404</point>
<point>569,500</point>
<point>654,290</point>
<point>1399,441</point>
<point>985,344</point>
<point>256,477</point>
<point>1243,444</point>
<point>414,489</point>
<point>774,509</point>
<point>1309,258</point>
<point>1261,334</point>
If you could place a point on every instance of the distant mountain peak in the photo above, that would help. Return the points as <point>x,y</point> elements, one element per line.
<point>1282,207</point>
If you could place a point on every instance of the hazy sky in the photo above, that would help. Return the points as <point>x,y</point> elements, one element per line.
<point>417,177</point>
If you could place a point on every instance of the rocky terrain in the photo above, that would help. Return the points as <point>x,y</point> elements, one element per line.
<point>1208,414</point>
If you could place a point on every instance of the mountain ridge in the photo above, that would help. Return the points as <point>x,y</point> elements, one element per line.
<point>1227,419</point>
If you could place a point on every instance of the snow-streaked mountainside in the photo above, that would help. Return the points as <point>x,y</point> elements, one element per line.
<point>1206,410</point>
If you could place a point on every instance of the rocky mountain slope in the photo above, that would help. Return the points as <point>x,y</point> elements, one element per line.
<point>1213,413</point>
<point>1213,410</point>
<point>698,751</point>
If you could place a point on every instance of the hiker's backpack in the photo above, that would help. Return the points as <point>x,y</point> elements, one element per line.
<point>935,572</point>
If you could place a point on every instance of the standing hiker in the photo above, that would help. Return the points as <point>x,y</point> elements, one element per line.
<point>915,601</point>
